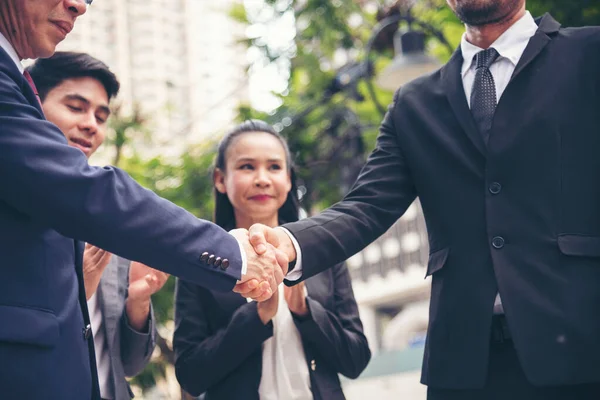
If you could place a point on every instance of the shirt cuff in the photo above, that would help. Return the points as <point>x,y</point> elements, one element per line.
<point>243,255</point>
<point>296,273</point>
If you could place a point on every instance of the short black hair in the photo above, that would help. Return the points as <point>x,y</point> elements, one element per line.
<point>48,73</point>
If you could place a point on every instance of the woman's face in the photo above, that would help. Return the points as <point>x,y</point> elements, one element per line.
<point>256,178</point>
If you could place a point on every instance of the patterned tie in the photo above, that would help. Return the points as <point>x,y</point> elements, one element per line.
<point>27,76</point>
<point>483,96</point>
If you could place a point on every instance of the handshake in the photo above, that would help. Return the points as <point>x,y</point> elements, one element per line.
<point>268,254</point>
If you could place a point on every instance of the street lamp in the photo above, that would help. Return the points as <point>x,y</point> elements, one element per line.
<point>410,61</point>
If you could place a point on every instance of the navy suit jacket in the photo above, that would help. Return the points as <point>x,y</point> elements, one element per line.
<point>218,339</point>
<point>48,196</point>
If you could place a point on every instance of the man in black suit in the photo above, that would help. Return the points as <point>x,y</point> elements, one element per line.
<point>501,146</point>
<point>49,195</point>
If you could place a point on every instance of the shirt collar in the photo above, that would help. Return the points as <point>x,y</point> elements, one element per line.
<point>5,44</point>
<point>510,45</point>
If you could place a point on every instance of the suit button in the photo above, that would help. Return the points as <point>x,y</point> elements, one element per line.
<point>313,365</point>
<point>498,242</point>
<point>217,261</point>
<point>211,259</point>
<point>224,264</point>
<point>495,188</point>
<point>204,257</point>
<point>87,332</point>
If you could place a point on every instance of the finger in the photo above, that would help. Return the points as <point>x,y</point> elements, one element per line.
<point>260,291</point>
<point>258,238</point>
<point>278,276</point>
<point>91,249</point>
<point>246,287</point>
<point>265,296</point>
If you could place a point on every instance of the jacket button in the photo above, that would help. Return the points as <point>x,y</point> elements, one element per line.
<point>204,257</point>
<point>495,188</point>
<point>211,259</point>
<point>218,261</point>
<point>498,242</point>
<point>313,365</point>
<point>87,332</point>
<point>224,264</point>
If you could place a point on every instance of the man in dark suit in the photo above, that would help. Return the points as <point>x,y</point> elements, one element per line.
<point>50,195</point>
<point>501,146</point>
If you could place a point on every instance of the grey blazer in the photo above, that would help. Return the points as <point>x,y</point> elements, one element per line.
<point>129,350</point>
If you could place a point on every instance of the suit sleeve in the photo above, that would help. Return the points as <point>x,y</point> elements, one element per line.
<point>136,347</point>
<point>337,335</point>
<point>381,194</point>
<point>53,185</point>
<point>204,357</point>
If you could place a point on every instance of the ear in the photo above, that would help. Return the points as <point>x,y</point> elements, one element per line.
<point>219,181</point>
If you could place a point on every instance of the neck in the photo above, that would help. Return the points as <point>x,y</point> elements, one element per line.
<point>483,36</point>
<point>246,221</point>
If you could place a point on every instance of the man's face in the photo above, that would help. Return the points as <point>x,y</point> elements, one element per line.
<point>484,12</point>
<point>79,107</point>
<point>35,27</point>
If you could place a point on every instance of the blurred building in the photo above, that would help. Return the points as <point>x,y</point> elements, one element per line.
<point>389,284</point>
<point>180,60</point>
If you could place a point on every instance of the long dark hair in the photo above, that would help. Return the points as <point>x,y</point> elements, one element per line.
<point>224,215</point>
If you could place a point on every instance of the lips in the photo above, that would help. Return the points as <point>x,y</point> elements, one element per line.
<point>63,26</point>
<point>83,144</point>
<point>261,197</point>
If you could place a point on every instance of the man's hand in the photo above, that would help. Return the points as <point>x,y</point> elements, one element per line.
<point>259,235</point>
<point>266,267</point>
<point>143,283</point>
<point>94,261</point>
<point>267,309</point>
<point>296,299</point>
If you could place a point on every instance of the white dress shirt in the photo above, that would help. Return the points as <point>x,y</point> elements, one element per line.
<point>285,373</point>
<point>510,45</point>
<point>100,347</point>
<point>5,44</point>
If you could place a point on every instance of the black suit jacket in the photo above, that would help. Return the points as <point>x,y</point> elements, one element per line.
<point>218,339</point>
<point>521,215</point>
<point>49,195</point>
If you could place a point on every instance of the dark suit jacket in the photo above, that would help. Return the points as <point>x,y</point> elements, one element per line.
<point>48,195</point>
<point>521,215</point>
<point>218,339</point>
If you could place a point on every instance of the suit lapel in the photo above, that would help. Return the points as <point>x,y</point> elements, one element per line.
<point>455,92</point>
<point>547,26</point>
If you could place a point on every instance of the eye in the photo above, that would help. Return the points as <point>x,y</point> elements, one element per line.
<point>246,166</point>
<point>73,108</point>
<point>275,167</point>
<point>100,120</point>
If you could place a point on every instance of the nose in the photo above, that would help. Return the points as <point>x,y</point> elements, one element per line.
<point>89,123</point>
<point>262,178</point>
<point>77,7</point>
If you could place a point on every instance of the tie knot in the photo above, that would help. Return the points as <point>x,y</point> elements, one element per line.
<point>485,58</point>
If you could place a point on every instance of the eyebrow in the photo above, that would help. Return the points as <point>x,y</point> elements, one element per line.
<point>86,101</point>
<point>253,159</point>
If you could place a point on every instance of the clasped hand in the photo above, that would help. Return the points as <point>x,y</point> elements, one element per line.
<point>266,265</point>
<point>267,256</point>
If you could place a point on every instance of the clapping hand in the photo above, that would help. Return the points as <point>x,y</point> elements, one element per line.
<point>94,261</point>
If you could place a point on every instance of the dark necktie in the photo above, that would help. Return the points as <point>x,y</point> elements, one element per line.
<point>483,95</point>
<point>27,76</point>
